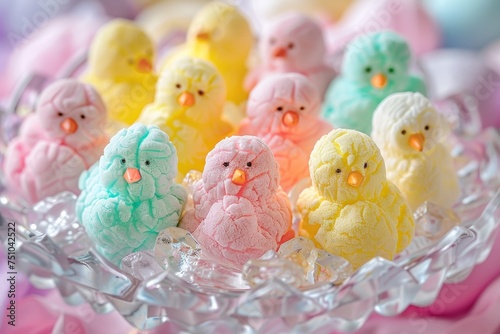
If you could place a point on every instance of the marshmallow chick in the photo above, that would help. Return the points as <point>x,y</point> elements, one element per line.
<point>374,66</point>
<point>120,67</point>
<point>63,137</point>
<point>240,211</point>
<point>410,134</point>
<point>293,42</point>
<point>284,110</point>
<point>129,196</point>
<point>351,209</point>
<point>220,34</point>
<point>189,102</point>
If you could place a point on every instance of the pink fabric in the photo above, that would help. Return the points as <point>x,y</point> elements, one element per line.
<point>408,18</point>
<point>445,68</point>
<point>492,56</point>
<point>483,318</point>
<point>456,299</point>
<point>48,50</point>
<point>50,314</point>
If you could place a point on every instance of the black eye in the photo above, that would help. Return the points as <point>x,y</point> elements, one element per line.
<point>279,108</point>
<point>201,93</point>
<point>130,61</point>
<point>148,162</point>
<point>338,170</point>
<point>60,114</point>
<point>249,164</point>
<point>225,164</point>
<point>391,70</point>
<point>368,69</point>
<point>82,116</point>
<point>365,165</point>
<point>290,45</point>
<point>427,128</point>
<point>403,132</point>
<point>272,41</point>
<point>123,161</point>
<point>302,108</point>
<point>178,86</point>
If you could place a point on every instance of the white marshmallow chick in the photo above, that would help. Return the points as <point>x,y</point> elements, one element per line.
<point>410,134</point>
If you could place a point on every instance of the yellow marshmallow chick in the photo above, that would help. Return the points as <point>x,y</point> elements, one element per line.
<point>220,34</point>
<point>190,97</point>
<point>410,134</point>
<point>120,67</point>
<point>351,209</point>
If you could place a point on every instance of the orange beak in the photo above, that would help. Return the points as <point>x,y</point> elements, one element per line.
<point>69,126</point>
<point>144,66</point>
<point>239,177</point>
<point>202,35</point>
<point>186,99</point>
<point>417,141</point>
<point>379,80</point>
<point>132,175</point>
<point>355,179</point>
<point>290,118</point>
<point>279,53</point>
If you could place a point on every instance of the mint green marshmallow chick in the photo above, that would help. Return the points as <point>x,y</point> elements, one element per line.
<point>374,66</point>
<point>129,195</point>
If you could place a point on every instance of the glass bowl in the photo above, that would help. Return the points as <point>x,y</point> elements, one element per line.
<point>54,251</point>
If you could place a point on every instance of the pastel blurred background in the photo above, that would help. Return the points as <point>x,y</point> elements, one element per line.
<point>456,46</point>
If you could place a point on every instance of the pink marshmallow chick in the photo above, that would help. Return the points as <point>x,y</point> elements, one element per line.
<point>284,110</point>
<point>240,211</point>
<point>293,42</point>
<point>63,137</point>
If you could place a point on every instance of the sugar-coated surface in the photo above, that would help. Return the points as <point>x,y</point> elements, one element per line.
<point>237,219</point>
<point>129,196</point>
<point>374,66</point>
<point>411,136</point>
<point>283,110</point>
<point>220,34</point>
<point>352,210</point>
<point>188,106</point>
<point>61,139</point>
<point>120,64</point>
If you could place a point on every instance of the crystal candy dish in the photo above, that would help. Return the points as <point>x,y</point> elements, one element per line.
<point>199,295</point>
<point>298,288</point>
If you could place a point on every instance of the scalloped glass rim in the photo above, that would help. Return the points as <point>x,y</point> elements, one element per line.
<point>386,287</point>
